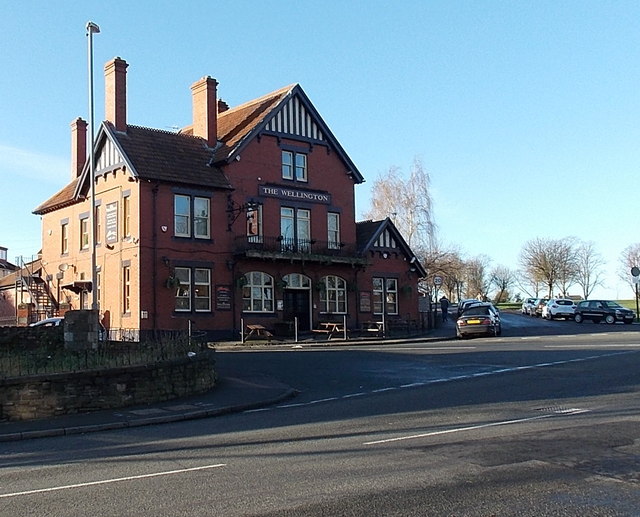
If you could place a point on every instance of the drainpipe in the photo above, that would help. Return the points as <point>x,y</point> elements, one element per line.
<point>154,272</point>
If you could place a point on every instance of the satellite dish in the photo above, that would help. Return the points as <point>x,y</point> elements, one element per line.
<point>63,267</point>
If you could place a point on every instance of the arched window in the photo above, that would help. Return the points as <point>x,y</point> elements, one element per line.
<point>297,281</point>
<point>257,292</point>
<point>333,294</point>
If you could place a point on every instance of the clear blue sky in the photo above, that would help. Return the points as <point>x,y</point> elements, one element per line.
<point>526,114</point>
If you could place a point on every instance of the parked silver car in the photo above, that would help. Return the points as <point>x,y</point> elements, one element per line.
<point>479,319</point>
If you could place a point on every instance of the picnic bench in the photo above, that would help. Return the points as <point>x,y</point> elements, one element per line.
<point>257,332</point>
<point>330,329</point>
<point>373,328</point>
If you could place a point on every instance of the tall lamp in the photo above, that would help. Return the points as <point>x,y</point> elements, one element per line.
<point>92,29</point>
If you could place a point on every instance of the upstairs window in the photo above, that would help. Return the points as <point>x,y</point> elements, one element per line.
<point>333,230</point>
<point>84,233</point>
<point>97,213</point>
<point>64,238</point>
<point>192,216</point>
<point>126,216</point>
<point>182,216</point>
<point>294,166</point>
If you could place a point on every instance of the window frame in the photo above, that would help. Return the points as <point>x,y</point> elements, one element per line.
<point>64,238</point>
<point>294,166</point>
<point>184,290</point>
<point>187,224</point>
<point>84,233</point>
<point>333,295</point>
<point>385,296</point>
<point>258,296</point>
<point>333,230</point>
<point>126,289</point>
<point>206,285</point>
<point>126,216</point>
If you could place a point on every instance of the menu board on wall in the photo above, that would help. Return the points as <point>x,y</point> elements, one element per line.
<point>223,297</point>
<point>365,301</point>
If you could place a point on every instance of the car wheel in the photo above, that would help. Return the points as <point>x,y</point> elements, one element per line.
<point>610,319</point>
<point>549,316</point>
<point>578,318</point>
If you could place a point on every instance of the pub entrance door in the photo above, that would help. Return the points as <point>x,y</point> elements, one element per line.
<point>297,304</point>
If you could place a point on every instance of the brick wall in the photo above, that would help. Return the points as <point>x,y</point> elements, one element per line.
<point>45,396</point>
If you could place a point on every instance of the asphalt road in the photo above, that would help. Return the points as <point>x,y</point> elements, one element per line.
<point>536,422</point>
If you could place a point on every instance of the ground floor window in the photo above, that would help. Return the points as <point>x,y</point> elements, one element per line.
<point>257,292</point>
<point>193,289</point>
<point>385,295</point>
<point>333,294</point>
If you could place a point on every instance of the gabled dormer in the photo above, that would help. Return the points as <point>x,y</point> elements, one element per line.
<point>382,240</point>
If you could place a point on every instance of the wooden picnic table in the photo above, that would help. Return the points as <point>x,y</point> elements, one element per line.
<point>257,331</point>
<point>330,329</point>
<point>374,327</point>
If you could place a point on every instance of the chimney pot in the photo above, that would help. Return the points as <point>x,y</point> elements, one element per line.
<point>205,110</point>
<point>115,98</point>
<point>78,146</point>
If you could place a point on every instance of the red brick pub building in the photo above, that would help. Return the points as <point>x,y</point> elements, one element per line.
<point>245,216</point>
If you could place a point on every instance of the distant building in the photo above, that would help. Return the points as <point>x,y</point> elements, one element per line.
<point>248,214</point>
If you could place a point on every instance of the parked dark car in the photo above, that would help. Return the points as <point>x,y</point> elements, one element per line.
<point>478,319</point>
<point>598,310</point>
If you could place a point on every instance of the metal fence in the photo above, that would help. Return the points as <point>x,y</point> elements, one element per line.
<point>17,362</point>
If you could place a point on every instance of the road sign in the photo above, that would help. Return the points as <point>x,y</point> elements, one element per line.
<point>635,271</point>
<point>437,280</point>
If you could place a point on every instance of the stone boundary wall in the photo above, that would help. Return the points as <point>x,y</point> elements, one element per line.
<point>48,395</point>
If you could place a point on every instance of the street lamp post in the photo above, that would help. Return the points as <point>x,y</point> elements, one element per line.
<point>92,29</point>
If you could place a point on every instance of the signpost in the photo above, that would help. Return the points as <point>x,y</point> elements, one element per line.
<point>635,273</point>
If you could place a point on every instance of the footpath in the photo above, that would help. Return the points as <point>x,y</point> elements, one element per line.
<point>231,394</point>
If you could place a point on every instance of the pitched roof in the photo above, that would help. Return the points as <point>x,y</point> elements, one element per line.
<point>164,156</point>
<point>367,232</point>
<point>64,197</point>
<point>182,158</point>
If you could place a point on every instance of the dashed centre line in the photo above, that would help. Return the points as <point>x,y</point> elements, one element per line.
<point>439,380</point>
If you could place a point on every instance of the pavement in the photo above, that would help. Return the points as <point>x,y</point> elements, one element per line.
<point>230,395</point>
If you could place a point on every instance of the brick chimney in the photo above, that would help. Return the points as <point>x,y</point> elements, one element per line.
<point>115,94</point>
<point>205,110</point>
<point>78,146</point>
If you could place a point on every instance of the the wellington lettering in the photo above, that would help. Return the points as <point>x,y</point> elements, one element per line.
<point>302,195</point>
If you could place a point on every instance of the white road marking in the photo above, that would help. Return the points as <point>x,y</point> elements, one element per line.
<point>457,430</point>
<point>441,380</point>
<point>114,480</point>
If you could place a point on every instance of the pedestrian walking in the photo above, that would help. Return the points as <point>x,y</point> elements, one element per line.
<point>444,307</point>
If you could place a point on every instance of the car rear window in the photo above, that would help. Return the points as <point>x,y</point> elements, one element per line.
<point>476,311</point>
<point>564,302</point>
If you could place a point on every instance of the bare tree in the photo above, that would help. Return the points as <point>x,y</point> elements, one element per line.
<point>478,277</point>
<point>549,261</point>
<point>589,263</point>
<point>408,203</point>
<point>630,257</point>
<point>502,278</point>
